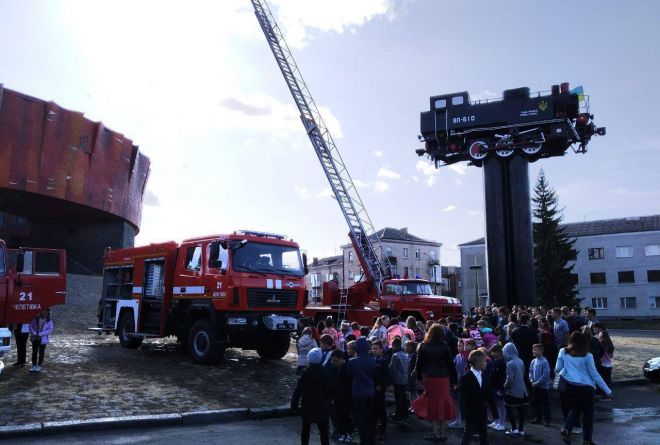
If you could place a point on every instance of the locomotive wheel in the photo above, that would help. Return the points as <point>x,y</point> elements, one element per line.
<point>504,152</point>
<point>477,150</point>
<point>532,149</point>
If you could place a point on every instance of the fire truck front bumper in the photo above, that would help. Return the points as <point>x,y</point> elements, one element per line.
<point>271,322</point>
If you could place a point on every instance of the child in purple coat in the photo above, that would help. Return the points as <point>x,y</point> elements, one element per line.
<point>40,329</point>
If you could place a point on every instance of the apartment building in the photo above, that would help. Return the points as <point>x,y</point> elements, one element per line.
<point>410,256</point>
<point>617,268</point>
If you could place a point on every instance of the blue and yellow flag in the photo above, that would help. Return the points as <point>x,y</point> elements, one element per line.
<point>579,91</point>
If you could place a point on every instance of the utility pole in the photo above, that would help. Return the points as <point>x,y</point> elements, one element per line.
<point>476,269</point>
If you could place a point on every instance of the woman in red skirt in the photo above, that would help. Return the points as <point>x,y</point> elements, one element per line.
<point>436,368</point>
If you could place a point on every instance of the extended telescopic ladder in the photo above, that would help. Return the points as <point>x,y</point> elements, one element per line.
<point>343,187</point>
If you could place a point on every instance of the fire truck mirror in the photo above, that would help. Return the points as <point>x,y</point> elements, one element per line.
<point>306,268</point>
<point>20,262</point>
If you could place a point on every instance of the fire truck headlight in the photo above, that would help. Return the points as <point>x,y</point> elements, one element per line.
<point>431,314</point>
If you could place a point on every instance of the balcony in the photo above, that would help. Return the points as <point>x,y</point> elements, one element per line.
<point>434,263</point>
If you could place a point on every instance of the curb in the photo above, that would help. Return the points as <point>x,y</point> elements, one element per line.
<point>630,382</point>
<point>155,420</point>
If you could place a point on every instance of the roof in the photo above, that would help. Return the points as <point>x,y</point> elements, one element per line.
<point>610,226</point>
<point>602,227</point>
<point>327,261</point>
<point>402,235</point>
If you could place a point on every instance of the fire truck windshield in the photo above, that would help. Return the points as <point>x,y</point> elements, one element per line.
<point>408,289</point>
<point>268,258</point>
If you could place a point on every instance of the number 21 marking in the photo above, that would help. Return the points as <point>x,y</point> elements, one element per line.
<point>22,295</point>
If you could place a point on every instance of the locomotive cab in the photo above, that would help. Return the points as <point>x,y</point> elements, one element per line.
<point>435,123</point>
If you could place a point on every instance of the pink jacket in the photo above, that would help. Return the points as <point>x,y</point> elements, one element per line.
<point>398,331</point>
<point>41,328</point>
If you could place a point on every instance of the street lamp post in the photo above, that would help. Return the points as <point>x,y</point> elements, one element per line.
<point>476,269</point>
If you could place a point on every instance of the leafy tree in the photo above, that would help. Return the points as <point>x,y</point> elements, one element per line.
<point>553,249</point>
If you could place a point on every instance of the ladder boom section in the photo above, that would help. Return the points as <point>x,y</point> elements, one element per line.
<point>343,188</point>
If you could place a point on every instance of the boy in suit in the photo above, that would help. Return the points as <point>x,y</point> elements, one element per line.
<point>473,396</point>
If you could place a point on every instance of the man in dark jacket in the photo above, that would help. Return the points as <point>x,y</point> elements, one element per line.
<point>316,393</point>
<point>473,393</point>
<point>525,338</point>
<point>362,369</point>
<point>381,383</point>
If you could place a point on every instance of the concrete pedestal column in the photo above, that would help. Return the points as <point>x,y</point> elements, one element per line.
<point>509,246</point>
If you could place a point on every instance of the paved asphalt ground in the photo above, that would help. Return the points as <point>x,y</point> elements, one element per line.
<point>632,418</point>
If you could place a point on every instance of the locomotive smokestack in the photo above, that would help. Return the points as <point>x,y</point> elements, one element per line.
<point>564,87</point>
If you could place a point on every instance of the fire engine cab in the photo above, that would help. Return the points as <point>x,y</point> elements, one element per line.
<point>31,280</point>
<point>242,290</point>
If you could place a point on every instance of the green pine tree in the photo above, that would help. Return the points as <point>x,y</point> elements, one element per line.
<point>553,249</point>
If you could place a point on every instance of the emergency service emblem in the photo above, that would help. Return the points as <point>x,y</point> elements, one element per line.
<point>543,105</point>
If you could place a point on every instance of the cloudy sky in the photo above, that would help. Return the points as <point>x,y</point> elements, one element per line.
<point>195,86</point>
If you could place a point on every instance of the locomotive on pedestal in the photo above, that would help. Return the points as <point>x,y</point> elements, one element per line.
<point>537,126</point>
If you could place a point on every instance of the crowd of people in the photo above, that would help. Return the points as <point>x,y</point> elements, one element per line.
<point>493,365</point>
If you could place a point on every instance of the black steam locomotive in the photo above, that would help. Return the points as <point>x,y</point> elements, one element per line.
<point>536,126</point>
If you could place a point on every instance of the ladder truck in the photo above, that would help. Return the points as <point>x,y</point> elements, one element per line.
<point>363,301</point>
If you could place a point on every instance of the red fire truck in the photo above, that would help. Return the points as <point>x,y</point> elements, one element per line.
<point>406,297</point>
<point>362,301</point>
<point>241,290</point>
<point>31,280</point>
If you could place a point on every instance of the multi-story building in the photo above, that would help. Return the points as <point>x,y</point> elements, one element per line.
<point>617,268</point>
<point>451,281</point>
<point>321,271</point>
<point>409,256</point>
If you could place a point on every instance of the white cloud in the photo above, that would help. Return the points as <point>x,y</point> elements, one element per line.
<point>428,170</point>
<point>449,208</point>
<point>299,17</point>
<point>377,153</point>
<point>474,213</point>
<point>381,187</point>
<point>385,172</point>
<point>415,179</point>
<point>325,193</point>
<point>485,95</point>
<point>359,183</point>
<point>459,168</point>
<point>303,192</point>
<point>259,110</point>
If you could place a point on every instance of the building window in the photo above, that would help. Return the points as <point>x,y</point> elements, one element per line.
<point>418,272</point>
<point>350,274</point>
<point>628,302</point>
<point>598,278</point>
<point>599,303</point>
<point>388,250</point>
<point>405,252</point>
<point>596,253</point>
<point>394,271</point>
<point>417,254</point>
<point>654,302</point>
<point>653,275</point>
<point>573,279</point>
<point>627,276</point>
<point>350,256</point>
<point>432,255</point>
<point>624,252</point>
<point>405,272</point>
<point>652,249</point>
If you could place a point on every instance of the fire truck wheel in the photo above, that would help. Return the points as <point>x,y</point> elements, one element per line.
<point>203,345</point>
<point>126,327</point>
<point>276,347</point>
